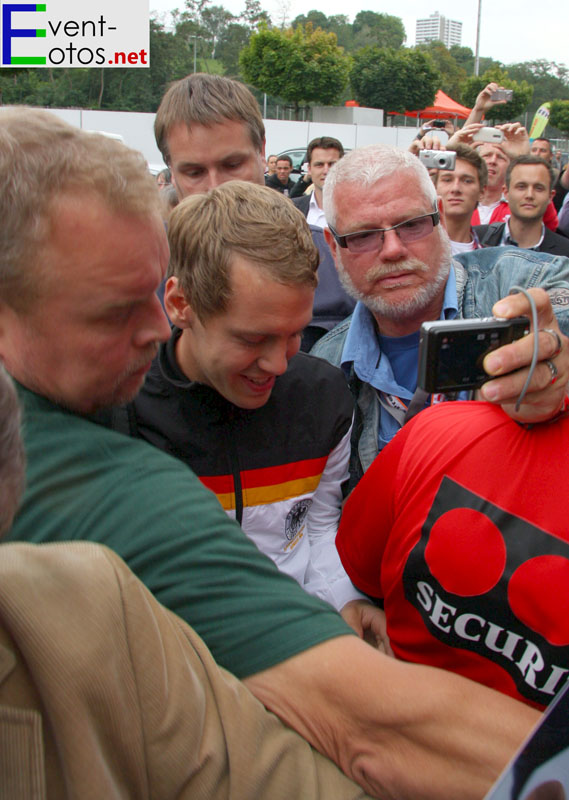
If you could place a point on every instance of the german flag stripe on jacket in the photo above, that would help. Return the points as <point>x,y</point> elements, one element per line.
<point>268,485</point>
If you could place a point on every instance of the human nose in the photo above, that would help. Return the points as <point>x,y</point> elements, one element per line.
<point>154,327</point>
<point>275,356</point>
<point>213,179</point>
<point>393,248</point>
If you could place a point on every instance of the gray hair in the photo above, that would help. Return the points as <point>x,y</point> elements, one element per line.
<point>12,461</point>
<point>367,165</point>
<point>41,156</point>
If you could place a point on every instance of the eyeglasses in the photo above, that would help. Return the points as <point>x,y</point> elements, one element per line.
<point>409,231</point>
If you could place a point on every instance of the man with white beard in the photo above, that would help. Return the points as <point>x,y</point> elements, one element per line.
<point>386,233</point>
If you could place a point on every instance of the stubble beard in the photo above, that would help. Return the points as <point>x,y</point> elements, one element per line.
<point>121,393</point>
<point>409,307</point>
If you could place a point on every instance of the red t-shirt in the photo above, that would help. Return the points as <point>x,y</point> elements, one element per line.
<point>461,526</point>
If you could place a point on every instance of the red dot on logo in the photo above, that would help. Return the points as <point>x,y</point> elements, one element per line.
<point>538,594</point>
<point>466,552</point>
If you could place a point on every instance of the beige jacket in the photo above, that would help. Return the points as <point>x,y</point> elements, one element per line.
<point>105,694</point>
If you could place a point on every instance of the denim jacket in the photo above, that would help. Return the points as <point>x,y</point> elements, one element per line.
<point>482,278</point>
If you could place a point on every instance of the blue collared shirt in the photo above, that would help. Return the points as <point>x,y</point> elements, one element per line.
<point>372,366</point>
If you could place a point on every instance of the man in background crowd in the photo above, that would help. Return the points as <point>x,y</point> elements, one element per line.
<point>281,181</point>
<point>541,147</point>
<point>528,192</point>
<point>460,190</point>
<point>332,303</point>
<point>321,155</point>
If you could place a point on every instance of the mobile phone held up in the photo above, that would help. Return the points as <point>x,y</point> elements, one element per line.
<point>502,94</point>
<point>491,135</point>
<point>451,352</point>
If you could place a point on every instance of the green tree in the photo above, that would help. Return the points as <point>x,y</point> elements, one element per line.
<point>340,25</point>
<point>502,113</point>
<point>337,24</point>
<point>232,40</point>
<point>464,57</point>
<point>253,15</point>
<point>395,80</point>
<point>215,20</point>
<point>549,80</point>
<point>302,66</point>
<point>194,9</point>
<point>377,30</point>
<point>453,75</point>
<point>121,89</point>
<point>317,18</point>
<point>559,115</point>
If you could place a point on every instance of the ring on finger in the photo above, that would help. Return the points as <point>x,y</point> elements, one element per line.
<point>557,339</point>
<point>554,373</point>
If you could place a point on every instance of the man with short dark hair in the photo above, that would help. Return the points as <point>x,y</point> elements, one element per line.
<point>541,147</point>
<point>460,190</point>
<point>528,192</point>
<point>321,155</point>
<point>281,179</point>
<point>331,301</point>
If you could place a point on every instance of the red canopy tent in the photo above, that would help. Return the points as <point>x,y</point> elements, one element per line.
<point>445,108</point>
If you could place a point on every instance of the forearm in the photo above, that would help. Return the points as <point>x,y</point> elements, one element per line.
<point>475,115</point>
<point>400,730</point>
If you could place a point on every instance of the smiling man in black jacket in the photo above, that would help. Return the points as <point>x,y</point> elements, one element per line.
<point>529,182</point>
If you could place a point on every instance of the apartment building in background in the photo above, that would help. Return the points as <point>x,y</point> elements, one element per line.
<point>437,27</point>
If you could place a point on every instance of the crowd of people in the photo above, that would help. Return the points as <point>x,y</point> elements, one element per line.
<point>239,569</point>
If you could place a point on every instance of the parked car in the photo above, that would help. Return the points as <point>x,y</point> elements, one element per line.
<point>298,157</point>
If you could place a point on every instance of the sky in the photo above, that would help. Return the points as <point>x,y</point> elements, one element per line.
<point>511,30</point>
